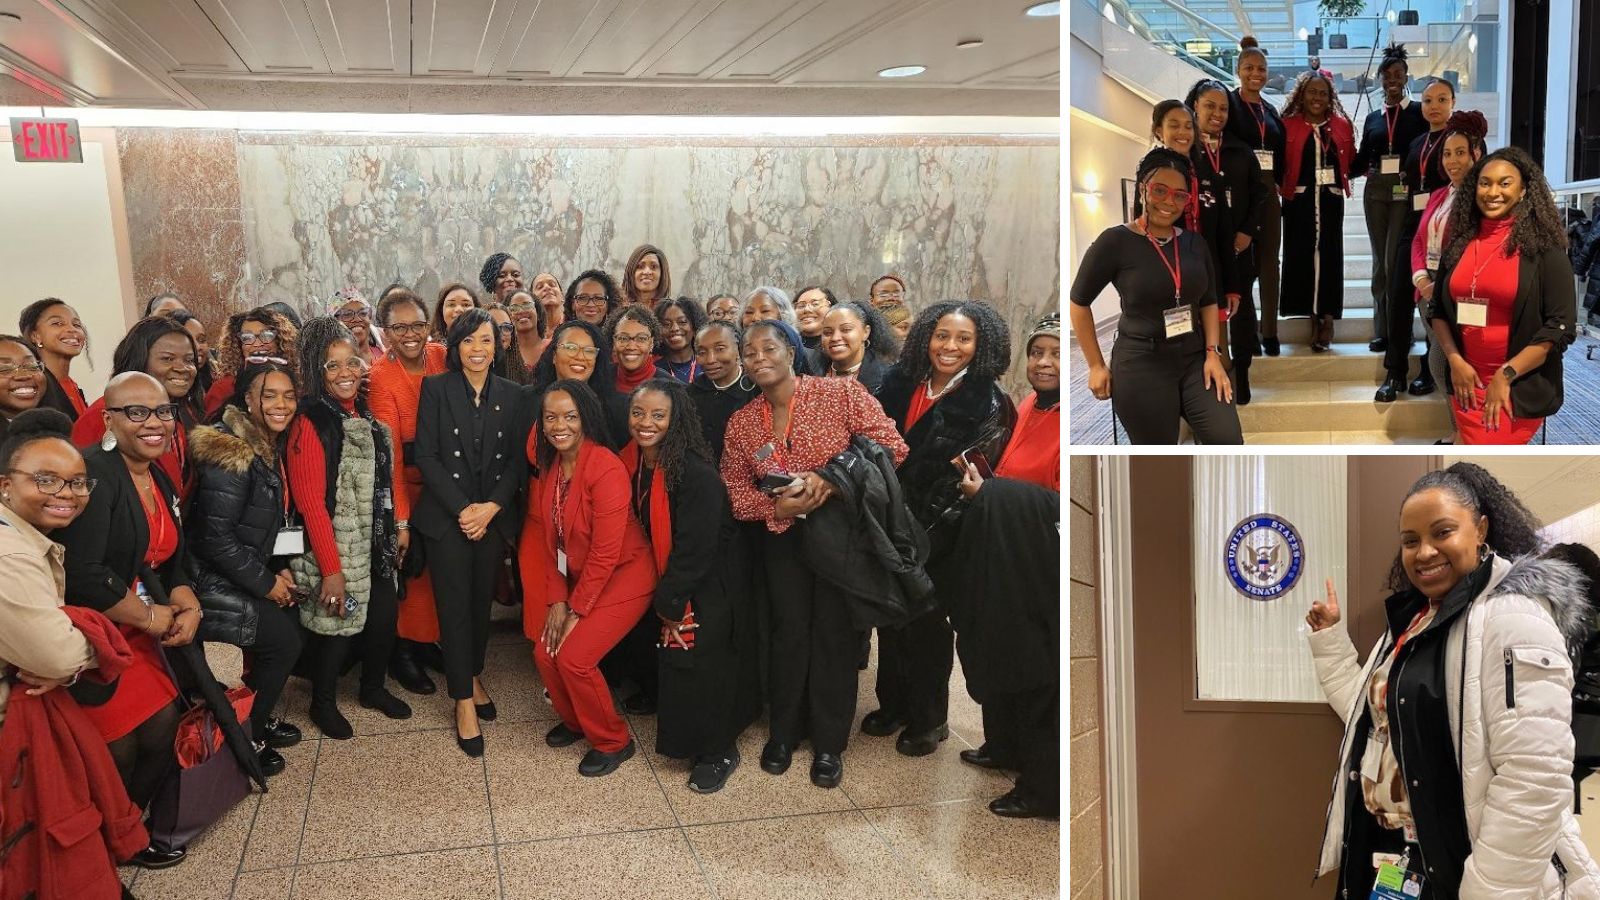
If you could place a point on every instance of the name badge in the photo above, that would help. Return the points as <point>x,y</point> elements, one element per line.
<point>1472,311</point>
<point>290,542</point>
<point>1433,261</point>
<point>1264,159</point>
<point>561,561</point>
<point>1389,164</point>
<point>1395,883</point>
<point>1179,321</point>
<point>1398,193</point>
<point>1325,176</point>
<point>1419,202</point>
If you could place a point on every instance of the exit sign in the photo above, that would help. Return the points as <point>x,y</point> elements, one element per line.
<point>46,140</point>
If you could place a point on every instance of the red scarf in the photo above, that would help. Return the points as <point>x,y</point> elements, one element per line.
<point>627,381</point>
<point>660,514</point>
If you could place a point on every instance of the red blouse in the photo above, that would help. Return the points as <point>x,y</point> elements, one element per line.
<point>1034,453</point>
<point>823,416</point>
<point>74,394</point>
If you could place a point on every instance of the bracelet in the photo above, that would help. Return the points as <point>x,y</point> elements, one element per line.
<point>151,622</point>
<point>402,524</point>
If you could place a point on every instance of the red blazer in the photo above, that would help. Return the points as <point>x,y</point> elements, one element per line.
<point>1297,131</point>
<point>608,558</point>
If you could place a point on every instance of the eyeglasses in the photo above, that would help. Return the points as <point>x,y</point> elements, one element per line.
<point>32,368</point>
<point>52,484</point>
<point>353,364</point>
<point>352,315</point>
<point>1160,193</point>
<point>886,292</point>
<point>642,340</point>
<point>588,299</point>
<point>819,303</point>
<point>257,337</point>
<point>516,308</point>
<point>409,329</point>
<point>506,328</point>
<point>585,352</point>
<point>166,412</point>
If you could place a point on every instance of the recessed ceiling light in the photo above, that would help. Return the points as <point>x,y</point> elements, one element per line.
<point>1041,10</point>
<point>969,43</point>
<point>901,71</point>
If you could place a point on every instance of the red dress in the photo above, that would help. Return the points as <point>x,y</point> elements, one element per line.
<point>393,394</point>
<point>1485,347</point>
<point>144,687</point>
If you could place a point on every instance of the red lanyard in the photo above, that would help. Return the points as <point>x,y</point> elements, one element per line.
<point>283,483</point>
<point>1391,122</point>
<point>1472,291</point>
<point>1428,146</point>
<point>788,427</point>
<point>1174,268</point>
<point>1261,120</point>
<point>560,504</point>
<point>1215,158</point>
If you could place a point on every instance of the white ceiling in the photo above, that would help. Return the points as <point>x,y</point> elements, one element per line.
<point>702,57</point>
<point>1552,487</point>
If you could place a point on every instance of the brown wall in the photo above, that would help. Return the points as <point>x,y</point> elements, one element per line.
<point>1086,877</point>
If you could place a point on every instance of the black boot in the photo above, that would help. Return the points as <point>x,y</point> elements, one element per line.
<point>330,656</point>
<point>1270,346</point>
<point>1241,383</point>
<point>1390,389</point>
<point>1423,385</point>
<point>403,666</point>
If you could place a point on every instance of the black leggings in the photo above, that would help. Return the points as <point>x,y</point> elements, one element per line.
<point>145,755</point>
<point>1154,384</point>
<point>272,657</point>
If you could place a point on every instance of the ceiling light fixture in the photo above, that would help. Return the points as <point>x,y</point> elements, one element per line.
<point>1043,10</point>
<point>969,43</point>
<point>901,71</point>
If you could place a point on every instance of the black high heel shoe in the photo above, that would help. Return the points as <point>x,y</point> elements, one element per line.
<point>471,746</point>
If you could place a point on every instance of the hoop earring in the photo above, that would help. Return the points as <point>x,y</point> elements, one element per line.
<point>1484,552</point>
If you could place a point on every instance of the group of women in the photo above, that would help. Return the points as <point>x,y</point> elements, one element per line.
<point>655,484</point>
<point>1469,239</point>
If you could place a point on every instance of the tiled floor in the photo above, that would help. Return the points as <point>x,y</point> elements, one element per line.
<point>398,813</point>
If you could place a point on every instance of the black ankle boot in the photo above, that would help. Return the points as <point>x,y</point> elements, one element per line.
<point>403,666</point>
<point>1241,385</point>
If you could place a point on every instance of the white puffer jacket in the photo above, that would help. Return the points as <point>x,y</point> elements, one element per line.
<point>1515,757</point>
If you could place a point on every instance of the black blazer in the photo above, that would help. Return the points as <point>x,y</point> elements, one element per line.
<point>458,471</point>
<point>1546,309</point>
<point>106,544</point>
<point>870,374</point>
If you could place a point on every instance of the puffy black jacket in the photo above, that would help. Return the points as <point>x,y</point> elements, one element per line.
<point>235,513</point>
<point>1585,257</point>
<point>976,413</point>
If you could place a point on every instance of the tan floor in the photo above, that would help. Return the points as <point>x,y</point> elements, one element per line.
<point>399,813</point>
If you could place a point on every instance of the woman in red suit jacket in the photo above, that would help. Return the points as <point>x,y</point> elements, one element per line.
<point>1319,150</point>
<point>590,558</point>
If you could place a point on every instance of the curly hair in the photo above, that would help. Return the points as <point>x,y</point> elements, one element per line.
<point>684,437</point>
<point>230,353</point>
<point>491,270</point>
<point>1513,530</point>
<point>631,313</point>
<point>437,319</point>
<point>663,287</point>
<point>316,337</point>
<point>881,341</point>
<point>1296,103</point>
<point>691,311</point>
<point>990,358</point>
<point>602,378</point>
<point>1536,223</point>
<point>132,353</point>
<point>591,419</point>
<point>1470,124</point>
<point>607,287</point>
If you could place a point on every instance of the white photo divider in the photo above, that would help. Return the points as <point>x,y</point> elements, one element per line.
<point>1268,531</point>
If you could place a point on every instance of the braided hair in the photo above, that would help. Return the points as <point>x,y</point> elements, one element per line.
<point>230,353</point>
<point>1536,223</point>
<point>1163,158</point>
<point>591,418</point>
<point>316,337</point>
<point>990,358</point>
<point>684,437</point>
<point>1393,55</point>
<point>1513,530</point>
<point>491,270</point>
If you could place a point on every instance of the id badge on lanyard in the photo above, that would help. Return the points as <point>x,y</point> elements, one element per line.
<point>1264,159</point>
<point>291,541</point>
<point>1179,320</point>
<point>1398,193</point>
<point>1395,882</point>
<point>1389,164</point>
<point>1419,202</point>
<point>561,561</point>
<point>1472,311</point>
<point>1326,176</point>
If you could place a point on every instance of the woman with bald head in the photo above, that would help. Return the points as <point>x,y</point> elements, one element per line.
<point>126,557</point>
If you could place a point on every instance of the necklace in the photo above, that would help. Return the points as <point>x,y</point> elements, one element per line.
<point>850,371</point>
<point>928,385</point>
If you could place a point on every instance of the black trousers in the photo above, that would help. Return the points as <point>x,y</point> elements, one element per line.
<point>1244,343</point>
<point>914,665</point>
<point>814,650</point>
<point>1385,222</point>
<point>1402,311</point>
<point>376,643</point>
<point>634,658</point>
<point>1153,386</point>
<point>272,657</point>
<point>1023,731</point>
<point>464,576</point>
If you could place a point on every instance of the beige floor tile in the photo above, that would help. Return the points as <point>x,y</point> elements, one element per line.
<point>447,875</point>
<point>961,850</point>
<point>828,855</point>
<point>876,775</point>
<point>271,884</point>
<point>750,793</point>
<point>513,682</point>
<point>275,837</point>
<point>537,791</point>
<point>394,793</point>
<point>641,866</point>
<point>212,864</point>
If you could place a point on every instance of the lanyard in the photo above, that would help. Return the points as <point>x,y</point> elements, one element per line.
<point>1215,158</point>
<point>283,484</point>
<point>1174,268</point>
<point>1261,120</point>
<point>1473,289</point>
<point>560,504</point>
<point>1428,146</point>
<point>1391,121</point>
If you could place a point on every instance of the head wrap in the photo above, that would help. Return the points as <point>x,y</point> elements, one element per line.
<point>1049,326</point>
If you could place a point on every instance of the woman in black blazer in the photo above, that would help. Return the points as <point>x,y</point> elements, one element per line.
<point>126,557</point>
<point>471,428</point>
<point>703,622</point>
<point>855,342</point>
<point>945,398</point>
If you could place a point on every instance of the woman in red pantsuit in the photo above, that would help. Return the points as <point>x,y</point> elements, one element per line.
<point>595,570</point>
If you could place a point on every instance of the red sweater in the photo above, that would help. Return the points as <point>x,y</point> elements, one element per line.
<point>1034,453</point>
<point>393,394</point>
<point>308,484</point>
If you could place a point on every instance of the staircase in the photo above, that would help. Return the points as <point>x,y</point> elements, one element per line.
<point>1303,397</point>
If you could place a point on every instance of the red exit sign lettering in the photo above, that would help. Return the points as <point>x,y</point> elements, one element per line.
<point>46,140</point>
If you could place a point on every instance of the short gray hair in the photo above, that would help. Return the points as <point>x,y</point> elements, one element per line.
<point>778,296</point>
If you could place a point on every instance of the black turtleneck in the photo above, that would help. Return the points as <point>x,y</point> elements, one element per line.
<point>1046,399</point>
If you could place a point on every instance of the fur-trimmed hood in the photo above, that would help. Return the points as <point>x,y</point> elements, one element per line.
<point>1560,584</point>
<point>233,444</point>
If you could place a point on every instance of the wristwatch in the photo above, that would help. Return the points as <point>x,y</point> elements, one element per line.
<point>1509,373</point>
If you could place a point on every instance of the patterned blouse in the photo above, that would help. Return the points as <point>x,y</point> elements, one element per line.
<point>824,415</point>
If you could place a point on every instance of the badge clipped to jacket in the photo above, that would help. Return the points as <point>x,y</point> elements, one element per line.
<point>291,541</point>
<point>1264,160</point>
<point>1394,882</point>
<point>1389,164</point>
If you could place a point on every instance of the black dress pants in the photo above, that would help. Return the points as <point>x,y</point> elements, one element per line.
<point>377,636</point>
<point>464,577</point>
<point>1155,384</point>
<point>1023,731</point>
<point>1402,311</point>
<point>914,665</point>
<point>272,657</point>
<point>814,650</point>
